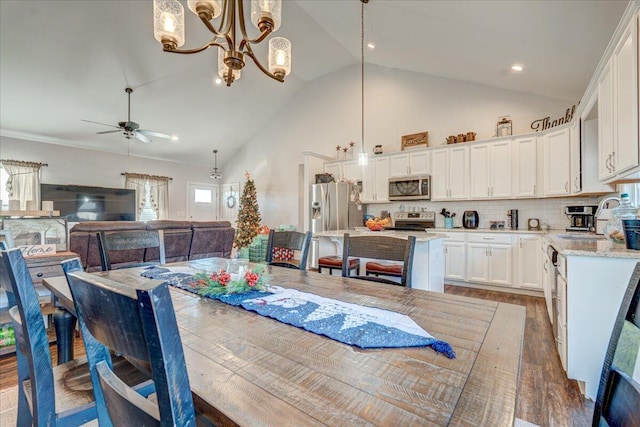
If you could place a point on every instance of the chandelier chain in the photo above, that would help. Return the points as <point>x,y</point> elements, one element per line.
<point>362,72</point>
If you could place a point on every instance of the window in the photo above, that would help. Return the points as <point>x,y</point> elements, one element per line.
<point>202,196</point>
<point>4,194</point>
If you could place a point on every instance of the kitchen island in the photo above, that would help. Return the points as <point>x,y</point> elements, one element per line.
<point>428,258</point>
<point>592,277</point>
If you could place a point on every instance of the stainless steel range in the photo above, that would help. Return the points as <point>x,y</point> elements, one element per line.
<point>413,221</point>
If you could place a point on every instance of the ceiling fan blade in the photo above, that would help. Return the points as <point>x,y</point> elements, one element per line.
<point>98,123</point>
<point>141,137</point>
<point>107,131</point>
<point>154,133</point>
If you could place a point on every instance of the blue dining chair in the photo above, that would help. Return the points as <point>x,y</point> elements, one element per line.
<point>45,397</point>
<point>138,322</point>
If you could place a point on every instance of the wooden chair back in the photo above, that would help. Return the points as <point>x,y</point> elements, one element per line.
<point>381,248</point>
<point>6,240</point>
<point>129,241</point>
<point>32,352</point>
<point>137,321</point>
<point>289,240</point>
<point>618,399</point>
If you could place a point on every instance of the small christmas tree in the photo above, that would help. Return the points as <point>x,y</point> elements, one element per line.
<point>248,215</point>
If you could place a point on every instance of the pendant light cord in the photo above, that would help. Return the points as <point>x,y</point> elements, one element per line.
<point>362,72</point>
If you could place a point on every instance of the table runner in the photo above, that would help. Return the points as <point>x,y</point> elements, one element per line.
<point>353,324</point>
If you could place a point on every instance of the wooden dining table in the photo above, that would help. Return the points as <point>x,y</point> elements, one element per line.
<point>249,370</point>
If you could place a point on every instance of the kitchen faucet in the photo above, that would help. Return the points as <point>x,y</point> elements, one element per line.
<point>603,201</point>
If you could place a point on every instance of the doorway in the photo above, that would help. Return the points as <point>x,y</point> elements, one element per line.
<point>202,202</point>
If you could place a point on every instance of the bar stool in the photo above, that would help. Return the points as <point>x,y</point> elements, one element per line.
<point>383,269</point>
<point>335,263</point>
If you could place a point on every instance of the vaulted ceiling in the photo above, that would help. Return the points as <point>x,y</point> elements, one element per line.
<point>63,61</point>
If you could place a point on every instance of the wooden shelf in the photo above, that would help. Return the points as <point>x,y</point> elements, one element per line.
<point>47,214</point>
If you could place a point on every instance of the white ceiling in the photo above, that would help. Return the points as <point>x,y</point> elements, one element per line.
<point>63,61</point>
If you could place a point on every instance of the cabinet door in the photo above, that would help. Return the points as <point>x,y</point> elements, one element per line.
<point>352,171</point>
<point>399,165</point>
<point>500,267</point>
<point>625,90</point>
<point>369,182</point>
<point>605,123</point>
<point>477,265</point>
<point>335,169</point>
<point>561,318</point>
<point>439,174</point>
<point>575,153</point>
<point>458,173</point>
<point>524,167</point>
<point>420,163</point>
<point>546,285</point>
<point>529,268</point>
<point>454,260</point>
<point>479,171</point>
<point>500,170</point>
<point>557,162</point>
<point>381,179</point>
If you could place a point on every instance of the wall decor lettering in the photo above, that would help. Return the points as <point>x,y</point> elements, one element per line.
<point>414,140</point>
<point>546,123</point>
<point>37,250</point>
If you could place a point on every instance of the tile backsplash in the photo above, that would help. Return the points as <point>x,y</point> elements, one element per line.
<point>548,211</point>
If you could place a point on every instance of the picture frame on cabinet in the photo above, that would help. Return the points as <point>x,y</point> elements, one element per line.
<point>415,140</point>
<point>38,231</point>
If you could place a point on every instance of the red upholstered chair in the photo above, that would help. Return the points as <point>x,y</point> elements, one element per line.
<point>384,248</point>
<point>335,263</point>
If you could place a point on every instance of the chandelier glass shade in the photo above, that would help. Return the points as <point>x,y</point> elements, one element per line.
<point>225,19</point>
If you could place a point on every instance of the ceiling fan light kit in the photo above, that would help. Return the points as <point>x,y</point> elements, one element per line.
<point>168,27</point>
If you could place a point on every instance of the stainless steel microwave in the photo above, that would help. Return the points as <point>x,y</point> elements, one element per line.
<point>410,188</point>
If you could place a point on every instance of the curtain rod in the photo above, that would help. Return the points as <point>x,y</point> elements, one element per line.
<point>142,175</point>
<point>22,163</point>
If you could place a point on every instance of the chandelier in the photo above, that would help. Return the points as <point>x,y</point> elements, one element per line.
<point>229,33</point>
<point>215,174</point>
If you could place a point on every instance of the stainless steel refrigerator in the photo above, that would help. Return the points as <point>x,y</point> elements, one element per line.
<point>333,207</point>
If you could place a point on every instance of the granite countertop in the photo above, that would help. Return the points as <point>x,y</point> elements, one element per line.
<point>589,245</point>
<point>420,236</point>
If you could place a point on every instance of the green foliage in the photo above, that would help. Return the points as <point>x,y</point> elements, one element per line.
<point>220,283</point>
<point>249,218</point>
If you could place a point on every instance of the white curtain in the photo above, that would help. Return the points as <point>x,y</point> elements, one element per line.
<point>24,181</point>
<point>152,195</point>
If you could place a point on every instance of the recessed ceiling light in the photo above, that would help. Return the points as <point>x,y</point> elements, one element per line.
<point>218,81</point>
<point>517,67</point>
<point>371,45</point>
<point>174,138</point>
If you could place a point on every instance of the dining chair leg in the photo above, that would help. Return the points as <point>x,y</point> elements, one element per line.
<point>24,413</point>
<point>65,325</point>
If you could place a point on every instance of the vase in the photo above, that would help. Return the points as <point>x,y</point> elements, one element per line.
<point>448,223</point>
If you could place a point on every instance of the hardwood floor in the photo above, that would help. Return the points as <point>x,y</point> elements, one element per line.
<point>546,396</point>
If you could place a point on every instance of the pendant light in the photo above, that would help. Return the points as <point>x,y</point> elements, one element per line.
<point>215,174</point>
<point>362,157</point>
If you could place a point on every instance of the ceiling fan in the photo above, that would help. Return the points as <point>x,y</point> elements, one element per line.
<point>132,129</point>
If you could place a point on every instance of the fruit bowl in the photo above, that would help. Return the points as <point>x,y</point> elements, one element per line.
<point>375,227</point>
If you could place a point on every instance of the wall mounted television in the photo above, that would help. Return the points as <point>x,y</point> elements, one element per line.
<point>78,203</point>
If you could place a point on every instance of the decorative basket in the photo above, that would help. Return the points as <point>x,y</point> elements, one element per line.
<point>258,248</point>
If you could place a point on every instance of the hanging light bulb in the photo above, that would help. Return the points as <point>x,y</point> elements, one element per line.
<point>215,174</point>
<point>168,23</point>
<point>363,160</point>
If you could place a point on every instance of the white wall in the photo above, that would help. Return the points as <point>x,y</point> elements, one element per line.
<point>326,113</point>
<point>86,167</point>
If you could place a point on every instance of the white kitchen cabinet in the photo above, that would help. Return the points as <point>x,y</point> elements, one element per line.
<point>335,169</point>
<point>352,171</point>
<point>455,256</point>
<point>450,173</point>
<point>524,169</point>
<point>489,258</point>
<point>529,261</point>
<point>490,170</point>
<point>625,101</point>
<point>404,164</point>
<point>605,123</point>
<point>561,318</point>
<point>557,161</point>
<point>547,279</point>
<point>375,182</point>
<point>575,174</point>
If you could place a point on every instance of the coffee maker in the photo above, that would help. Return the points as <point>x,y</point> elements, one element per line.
<point>582,218</point>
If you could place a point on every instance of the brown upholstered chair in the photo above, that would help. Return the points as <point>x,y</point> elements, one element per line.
<point>618,399</point>
<point>300,242</point>
<point>384,248</point>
